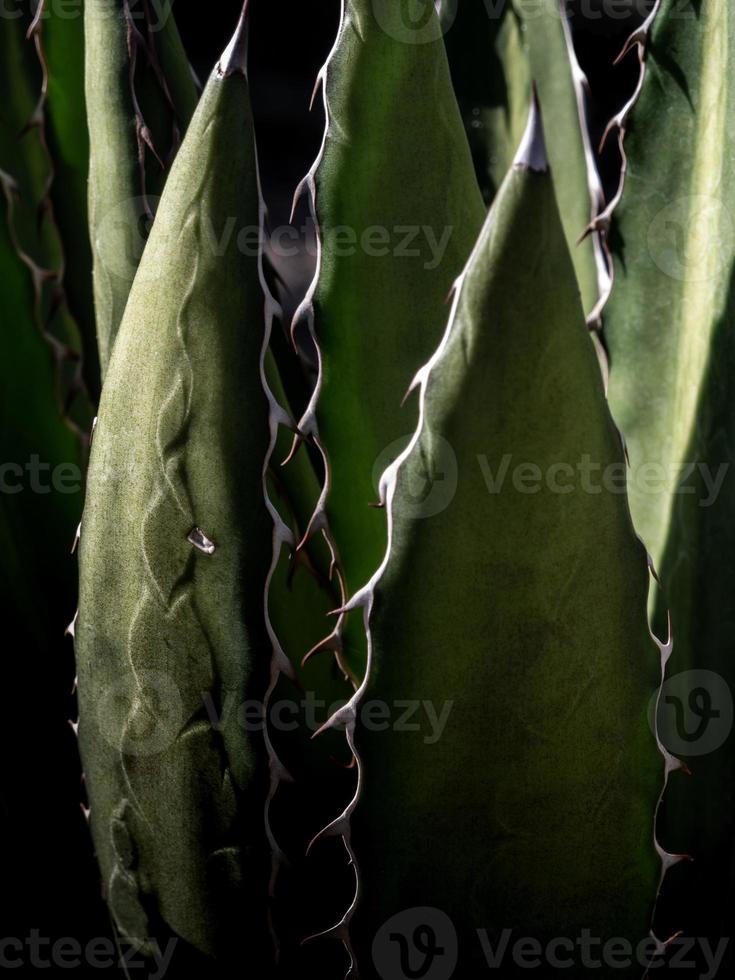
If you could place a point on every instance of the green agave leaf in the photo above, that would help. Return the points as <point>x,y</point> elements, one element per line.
<point>60,45</point>
<point>496,49</point>
<point>512,612</point>
<point>27,176</point>
<point>668,328</point>
<point>394,234</point>
<point>140,96</point>
<point>41,397</point>
<point>174,554</point>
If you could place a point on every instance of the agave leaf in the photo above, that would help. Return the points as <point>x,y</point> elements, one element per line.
<point>27,176</point>
<point>496,50</point>
<point>668,327</point>
<point>175,549</point>
<point>35,266</point>
<point>532,808</point>
<point>140,96</point>
<point>60,47</point>
<point>394,234</point>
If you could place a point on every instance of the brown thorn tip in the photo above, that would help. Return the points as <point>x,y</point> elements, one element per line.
<point>295,446</point>
<point>315,91</point>
<point>606,134</point>
<point>589,230</point>
<point>637,37</point>
<point>322,647</point>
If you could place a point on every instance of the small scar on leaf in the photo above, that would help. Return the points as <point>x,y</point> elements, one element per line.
<point>201,542</point>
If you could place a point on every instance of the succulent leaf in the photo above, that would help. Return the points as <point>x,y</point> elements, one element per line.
<point>140,95</point>
<point>175,548</point>
<point>668,327</point>
<point>60,45</point>
<point>516,607</point>
<point>394,234</point>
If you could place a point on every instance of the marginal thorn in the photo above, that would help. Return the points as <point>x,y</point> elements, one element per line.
<point>235,57</point>
<point>300,188</point>
<point>613,124</point>
<point>71,628</point>
<point>637,37</point>
<point>295,445</point>
<point>315,90</point>
<point>331,644</point>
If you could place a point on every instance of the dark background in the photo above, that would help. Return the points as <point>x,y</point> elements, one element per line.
<point>48,880</point>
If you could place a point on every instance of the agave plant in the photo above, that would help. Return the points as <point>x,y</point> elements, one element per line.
<point>380,625</point>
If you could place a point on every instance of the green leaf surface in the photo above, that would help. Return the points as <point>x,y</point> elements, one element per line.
<point>42,342</point>
<point>515,608</point>
<point>178,802</point>
<point>668,328</point>
<point>61,41</point>
<point>398,208</point>
<point>140,96</point>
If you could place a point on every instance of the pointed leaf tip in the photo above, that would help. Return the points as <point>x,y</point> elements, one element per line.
<point>235,56</point>
<point>531,153</point>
